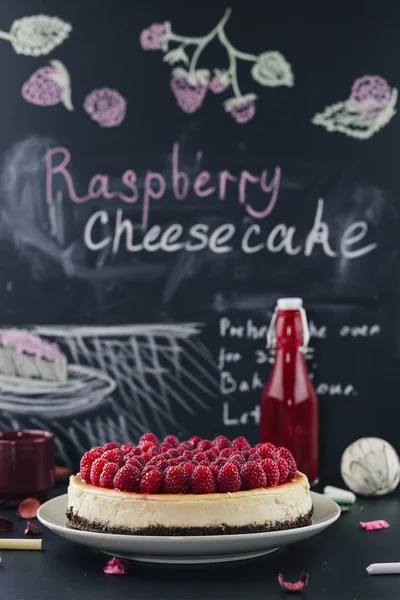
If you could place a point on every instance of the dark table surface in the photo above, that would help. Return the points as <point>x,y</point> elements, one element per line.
<point>335,560</point>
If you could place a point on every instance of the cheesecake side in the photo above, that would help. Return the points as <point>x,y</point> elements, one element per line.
<point>286,506</point>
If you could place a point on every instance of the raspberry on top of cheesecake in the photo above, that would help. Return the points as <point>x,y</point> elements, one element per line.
<point>194,487</point>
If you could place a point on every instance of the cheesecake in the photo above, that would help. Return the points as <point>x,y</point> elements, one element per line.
<point>190,488</point>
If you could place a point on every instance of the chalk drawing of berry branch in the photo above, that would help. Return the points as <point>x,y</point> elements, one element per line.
<point>190,85</point>
<point>36,35</point>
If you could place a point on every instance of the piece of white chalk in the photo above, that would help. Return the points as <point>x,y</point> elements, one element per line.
<point>384,568</point>
<point>340,496</point>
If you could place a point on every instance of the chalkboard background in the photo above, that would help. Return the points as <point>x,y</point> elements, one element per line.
<point>177,338</point>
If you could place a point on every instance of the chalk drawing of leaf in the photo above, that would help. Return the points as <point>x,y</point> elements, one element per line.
<point>38,34</point>
<point>272,69</point>
<point>176,55</point>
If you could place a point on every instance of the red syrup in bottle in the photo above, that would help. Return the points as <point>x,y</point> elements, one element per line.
<point>289,404</point>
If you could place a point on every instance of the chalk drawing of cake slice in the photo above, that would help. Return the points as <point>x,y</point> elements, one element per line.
<point>36,379</point>
<point>27,357</point>
<point>370,107</point>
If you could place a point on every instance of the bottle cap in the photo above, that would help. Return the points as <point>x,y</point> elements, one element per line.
<point>289,303</point>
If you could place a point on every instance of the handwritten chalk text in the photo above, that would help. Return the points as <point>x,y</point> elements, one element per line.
<point>154,186</point>
<point>220,239</point>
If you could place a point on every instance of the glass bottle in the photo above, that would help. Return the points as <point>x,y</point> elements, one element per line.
<point>289,404</point>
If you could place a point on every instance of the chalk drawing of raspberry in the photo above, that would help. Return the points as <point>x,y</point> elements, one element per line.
<point>220,82</point>
<point>188,90</point>
<point>269,69</point>
<point>151,38</point>
<point>370,94</point>
<point>370,106</point>
<point>37,34</point>
<point>106,106</point>
<point>242,109</point>
<point>49,86</point>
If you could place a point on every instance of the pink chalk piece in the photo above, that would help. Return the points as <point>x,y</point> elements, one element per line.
<point>242,109</point>
<point>116,566</point>
<point>151,38</point>
<point>216,85</point>
<point>373,525</point>
<point>189,97</point>
<point>106,106</point>
<point>370,94</point>
<point>41,89</point>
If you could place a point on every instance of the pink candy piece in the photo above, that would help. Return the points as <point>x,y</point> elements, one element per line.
<point>372,525</point>
<point>106,106</point>
<point>40,89</point>
<point>243,110</point>
<point>188,97</point>
<point>370,94</point>
<point>150,38</point>
<point>116,566</point>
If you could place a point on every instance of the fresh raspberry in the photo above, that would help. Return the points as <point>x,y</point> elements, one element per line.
<point>134,462</point>
<point>199,456</point>
<point>212,454</point>
<point>173,453</point>
<point>253,458</point>
<point>176,480</point>
<point>246,454</point>
<point>147,469</point>
<point>171,441</point>
<point>266,450</point>
<point>96,470</point>
<point>86,463</point>
<point>252,451</point>
<point>126,479</point>
<point>114,456</point>
<point>107,475</point>
<point>187,455</point>
<point>271,470</point>
<point>188,467</point>
<point>152,482</point>
<point>288,456</point>
<point>283,470</point>
<point>226,452</point>
<point>110,446</point>
<point>149,437</point>
<point>220,462</point>
<point>235,462</point>
<point>203,481</point>
<point>146,446</point>
<point>221,442</point>
<point>240,443</point>
<point>229,479</point>
<point>253,476</point>
<point>151,453</point>
<point>238,456</point>
<point>137,457</point>
<point>172,462</point>
<point>204,445</point>
<point>204,463</point>
<point>138,451</point>
<point>164,448</point>
<point>194,441</point>
<point>214,470</point>
<point>126,448</point>
<point>160,462</point>
<point>183,447</point>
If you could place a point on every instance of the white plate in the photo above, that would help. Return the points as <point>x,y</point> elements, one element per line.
<point>85,389</point>
<point>188,549</point>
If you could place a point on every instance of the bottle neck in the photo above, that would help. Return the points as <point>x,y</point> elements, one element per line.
<point>289,330</point>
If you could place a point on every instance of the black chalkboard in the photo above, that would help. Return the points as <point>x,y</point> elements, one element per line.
<point>152,213</point>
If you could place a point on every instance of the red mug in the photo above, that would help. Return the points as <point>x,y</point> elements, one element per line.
<point>26,464</point>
